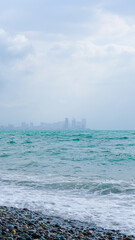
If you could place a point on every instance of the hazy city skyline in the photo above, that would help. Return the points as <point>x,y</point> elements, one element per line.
<point>66,124</point>
<point>68,58</point>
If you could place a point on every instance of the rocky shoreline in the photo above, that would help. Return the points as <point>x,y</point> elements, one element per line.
<point>23,224</point>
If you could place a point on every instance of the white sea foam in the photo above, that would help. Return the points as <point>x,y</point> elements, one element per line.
<point>109,211</point>
<point>91,179</point>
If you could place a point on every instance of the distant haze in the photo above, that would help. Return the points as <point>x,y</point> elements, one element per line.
<point>66,58</point>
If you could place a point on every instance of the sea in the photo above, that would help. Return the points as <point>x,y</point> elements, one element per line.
<point>82,175</point>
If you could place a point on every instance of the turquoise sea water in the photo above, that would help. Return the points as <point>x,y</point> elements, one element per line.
<point>85,175</point>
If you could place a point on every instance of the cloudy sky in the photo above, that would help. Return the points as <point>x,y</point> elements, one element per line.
<point>68,58</point>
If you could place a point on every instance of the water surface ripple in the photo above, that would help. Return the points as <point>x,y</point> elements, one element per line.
<point>85,175</point>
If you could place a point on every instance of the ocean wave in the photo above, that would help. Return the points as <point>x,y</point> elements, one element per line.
<point>104,188</point>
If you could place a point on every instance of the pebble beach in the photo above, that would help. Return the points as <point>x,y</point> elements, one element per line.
<point>23,224</point>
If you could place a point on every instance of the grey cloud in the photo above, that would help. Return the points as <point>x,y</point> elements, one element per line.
<point>13,47</point>
<point>49,16</point>
<point>76,66</point>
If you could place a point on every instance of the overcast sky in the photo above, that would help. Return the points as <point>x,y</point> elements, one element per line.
<point>68,58</point>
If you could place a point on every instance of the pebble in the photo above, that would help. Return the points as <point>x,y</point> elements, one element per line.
<point>23,224</point>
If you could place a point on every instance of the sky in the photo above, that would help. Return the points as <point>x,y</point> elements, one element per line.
<point>72,59</point>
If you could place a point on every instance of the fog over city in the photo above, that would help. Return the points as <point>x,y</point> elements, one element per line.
<point>72,59</point>
<point>61,125</point>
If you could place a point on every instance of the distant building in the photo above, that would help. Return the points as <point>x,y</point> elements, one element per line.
<point>63,125</point>
<point>42,124</point>
<point>73,126</point>
<point>24,126</point>
<point>66,125</point>
<point>31,125</point>
<point>10,126</point>
<point>83,123</point>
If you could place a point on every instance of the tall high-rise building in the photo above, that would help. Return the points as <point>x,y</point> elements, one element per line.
<point>83,123</point>
<point>66,124</point>
<point>24,125</point>
<point>73,124</point>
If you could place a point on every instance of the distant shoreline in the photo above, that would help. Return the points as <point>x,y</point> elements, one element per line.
<point>26,224</point>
